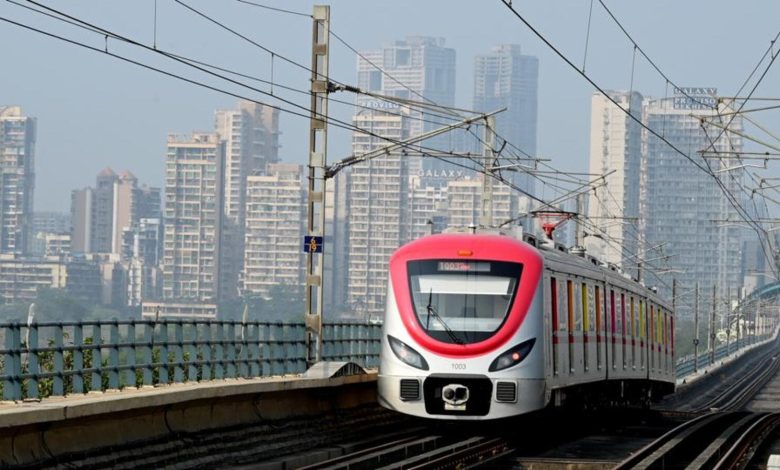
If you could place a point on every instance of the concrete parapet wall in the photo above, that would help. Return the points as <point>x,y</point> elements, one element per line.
<point>41,431</point>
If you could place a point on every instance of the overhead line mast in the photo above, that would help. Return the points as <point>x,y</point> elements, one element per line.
<point>315,216</point>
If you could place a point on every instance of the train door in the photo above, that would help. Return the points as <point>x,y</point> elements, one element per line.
<point>554,325</point>
<point>560,329</point>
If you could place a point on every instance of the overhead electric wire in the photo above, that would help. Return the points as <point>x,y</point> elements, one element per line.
<point>210,87</point>
<point>189,62</point>
<point>281,10</point>
<point>508,4</point>
<point>637,47</point>
<point>98,30</point>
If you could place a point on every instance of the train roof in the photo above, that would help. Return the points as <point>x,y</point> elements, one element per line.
<point>555,255</point>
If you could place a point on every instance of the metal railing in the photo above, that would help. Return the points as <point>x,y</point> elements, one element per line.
<point>56,359</point>
<point>688,365</point>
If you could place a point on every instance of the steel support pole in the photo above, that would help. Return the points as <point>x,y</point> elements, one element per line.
<point>486,215</point>
<point>728,321</point>
<point>318,145</point>
<point>712,324</point>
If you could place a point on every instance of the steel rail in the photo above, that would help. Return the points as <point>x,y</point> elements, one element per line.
<point>738,455</point>
<point>739,394</point>
<point>654,454</point>
<point>484,454</point>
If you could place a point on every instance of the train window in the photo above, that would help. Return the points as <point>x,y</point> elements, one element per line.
<point>598,309</point>
<point>563,319</point>
<point>598,326</point>
<point>634,327</point>
<point>612,329</point>
<point>554,307</point>
<point>623,327</point>
<point>570,303</point>
<point>460,301</point>
<point>612,310</point>
<point>554,303</point>
<point>587,308</point>
<point>642,321</point>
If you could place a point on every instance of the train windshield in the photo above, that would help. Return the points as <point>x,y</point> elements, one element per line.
<point>462,302</point>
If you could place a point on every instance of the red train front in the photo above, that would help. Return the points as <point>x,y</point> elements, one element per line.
<point>463,328</point>
<point>486,326</point>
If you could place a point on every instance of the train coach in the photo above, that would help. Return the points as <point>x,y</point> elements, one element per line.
<point>485,326</point>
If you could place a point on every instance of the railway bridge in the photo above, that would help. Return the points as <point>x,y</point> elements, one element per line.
<point>156,392</point>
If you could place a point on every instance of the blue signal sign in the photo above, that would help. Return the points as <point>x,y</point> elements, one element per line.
<point>312,244</point>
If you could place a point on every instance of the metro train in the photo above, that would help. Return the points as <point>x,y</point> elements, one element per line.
<point>486,326</point>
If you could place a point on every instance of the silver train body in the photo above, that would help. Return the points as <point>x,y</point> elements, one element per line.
<point>588,333</point>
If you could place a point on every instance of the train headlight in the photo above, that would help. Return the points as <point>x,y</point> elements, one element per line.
<point>406,354</point>
<point>513,356</point>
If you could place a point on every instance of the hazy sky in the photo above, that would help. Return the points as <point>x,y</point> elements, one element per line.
<point>95,111</point>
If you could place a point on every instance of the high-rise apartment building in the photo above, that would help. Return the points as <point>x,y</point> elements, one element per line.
<point>194,182</point>
<point>505,77</point>
<point>421,69</point>
<point>17,179</point>
<point>251,135</point>
<point>101,214</point>
<point>682,207</point>
<point>275,225</point>
<point>464,203</point>
<point>615,151</point>
<point>142,251</point>
<point>378,197</point>
<point>51,222</point>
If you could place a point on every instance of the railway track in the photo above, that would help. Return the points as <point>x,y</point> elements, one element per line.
<point>425,452</point>
<point>720,440</point>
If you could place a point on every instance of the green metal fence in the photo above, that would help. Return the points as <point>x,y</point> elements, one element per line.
<point>55,359</point>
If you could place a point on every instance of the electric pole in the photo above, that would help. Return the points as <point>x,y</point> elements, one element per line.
<point>486,215</point>
<point>318,148</point>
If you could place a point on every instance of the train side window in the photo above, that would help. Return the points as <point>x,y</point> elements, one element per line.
<point>632,329</point>
<point>624,328</point>
<point>612,316</point>
<point>554,304</point>
<point>562,318</point>
<point>642,332</point>
<point>570,298</point>
<point>578,310</point>
<point>570,292</point>
<point>651,332</point>
<point>585,310</point>
<point>554,320</point>
<point>598,326</point>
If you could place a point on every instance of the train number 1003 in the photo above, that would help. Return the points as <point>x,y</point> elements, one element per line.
<point>458,366</point>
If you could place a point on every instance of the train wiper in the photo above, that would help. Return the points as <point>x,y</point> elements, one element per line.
<point>432,311</point>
